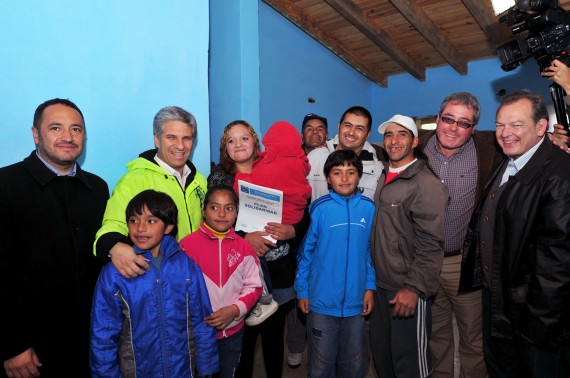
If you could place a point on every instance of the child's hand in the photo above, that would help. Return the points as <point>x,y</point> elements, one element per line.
<point>367,303</point>
<point>303,305</point>
<point>223,317</point>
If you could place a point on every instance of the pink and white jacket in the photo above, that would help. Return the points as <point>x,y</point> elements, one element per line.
<point>231,271</point>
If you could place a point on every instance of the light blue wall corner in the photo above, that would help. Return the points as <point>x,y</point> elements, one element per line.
<point>120,62</point>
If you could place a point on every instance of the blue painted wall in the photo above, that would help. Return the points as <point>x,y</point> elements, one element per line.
<point>234,67</point>
<point>263,68</point>
<point>119,61</point>
<point>406,95</point>
<point>294,66</point>
<point>122,61</point>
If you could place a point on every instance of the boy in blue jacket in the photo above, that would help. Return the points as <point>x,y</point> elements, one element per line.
<point>153,325</point>
<point>335,276</point>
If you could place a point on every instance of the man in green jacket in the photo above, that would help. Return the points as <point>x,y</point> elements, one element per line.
<point>167,169</point>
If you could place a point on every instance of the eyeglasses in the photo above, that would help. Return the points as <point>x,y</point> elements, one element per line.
<point>451,121</point>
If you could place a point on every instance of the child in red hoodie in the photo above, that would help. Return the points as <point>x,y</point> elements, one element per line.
<point>282,166</point>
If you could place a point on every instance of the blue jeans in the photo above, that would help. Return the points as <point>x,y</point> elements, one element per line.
<point>336,346</point>
<point>230,352</point>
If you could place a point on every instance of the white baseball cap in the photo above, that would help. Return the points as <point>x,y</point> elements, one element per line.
<point>401,120</point>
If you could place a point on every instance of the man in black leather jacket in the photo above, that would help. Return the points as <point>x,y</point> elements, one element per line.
<point>518,247</point>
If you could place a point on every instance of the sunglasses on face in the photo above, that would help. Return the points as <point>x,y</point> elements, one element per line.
<point>451,121</point>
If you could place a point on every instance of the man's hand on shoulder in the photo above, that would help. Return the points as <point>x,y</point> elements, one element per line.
<point>127,262</point>
<point>405,303</point>
<point>24,365</point>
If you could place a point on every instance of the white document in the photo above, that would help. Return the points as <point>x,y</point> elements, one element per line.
<point>257,206</point>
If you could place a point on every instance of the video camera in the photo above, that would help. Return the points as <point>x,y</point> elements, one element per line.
<point>548,27</point>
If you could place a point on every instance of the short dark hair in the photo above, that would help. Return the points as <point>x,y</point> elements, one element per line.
<point>539,110</point>
<point>159,204</point>
<point>220,188</point>
<point>39,113</point>
<point>343,157</point>
<point>358,111</point>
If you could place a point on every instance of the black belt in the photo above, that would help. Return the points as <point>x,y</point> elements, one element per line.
<point>452,253</point>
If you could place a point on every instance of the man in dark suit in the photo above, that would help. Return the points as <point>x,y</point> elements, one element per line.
<point>50,211</point>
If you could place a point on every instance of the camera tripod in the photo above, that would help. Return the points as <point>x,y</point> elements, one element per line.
<point>558,94</point>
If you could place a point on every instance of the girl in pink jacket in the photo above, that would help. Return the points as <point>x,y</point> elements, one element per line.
<point>231,271</point>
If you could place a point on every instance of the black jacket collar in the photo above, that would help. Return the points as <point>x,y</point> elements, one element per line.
<point>536,162</point>
<point>43,175</point>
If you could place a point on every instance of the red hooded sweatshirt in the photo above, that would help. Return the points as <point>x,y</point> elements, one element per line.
<point>282,166</point>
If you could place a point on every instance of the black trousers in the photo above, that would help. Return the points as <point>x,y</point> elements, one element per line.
<point>272,344</point>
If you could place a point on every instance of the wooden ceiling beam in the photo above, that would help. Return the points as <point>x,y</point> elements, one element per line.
<point>486,20</point>
<point>429,30</point>
<point>370,29</point>
<point>311,27</point>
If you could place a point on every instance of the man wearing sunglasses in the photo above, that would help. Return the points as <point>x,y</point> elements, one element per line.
<point>463,160</point>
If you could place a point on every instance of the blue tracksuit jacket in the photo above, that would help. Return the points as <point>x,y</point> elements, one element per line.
<point>153,325</point>
<point>334,263</point>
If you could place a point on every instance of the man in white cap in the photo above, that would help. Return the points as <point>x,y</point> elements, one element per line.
<point>407,249</point>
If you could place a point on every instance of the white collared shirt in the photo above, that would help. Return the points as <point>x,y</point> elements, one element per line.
<point>173,172</point>
<point>515,165</point>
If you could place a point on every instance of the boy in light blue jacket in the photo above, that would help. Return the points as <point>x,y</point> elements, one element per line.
<point>335,276</point>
